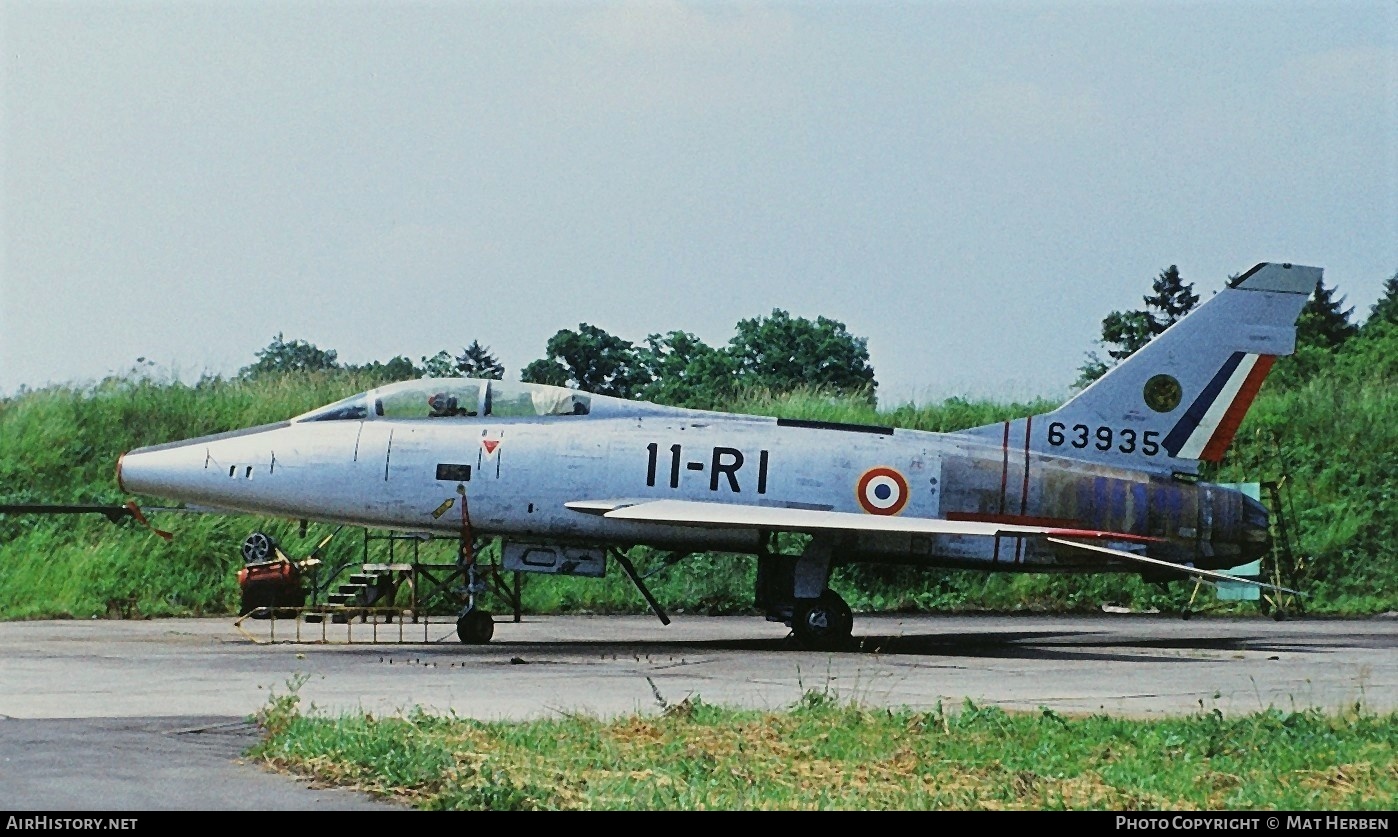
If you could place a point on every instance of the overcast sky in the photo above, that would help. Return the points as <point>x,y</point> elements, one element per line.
<point>971,186</point>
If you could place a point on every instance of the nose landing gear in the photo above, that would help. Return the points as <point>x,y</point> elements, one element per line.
<point>475,627</point>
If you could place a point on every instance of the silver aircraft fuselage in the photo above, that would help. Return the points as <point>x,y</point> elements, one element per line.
<point>513,476</point>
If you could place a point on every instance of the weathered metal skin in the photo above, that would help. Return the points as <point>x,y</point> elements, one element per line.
<point>1199,524</point>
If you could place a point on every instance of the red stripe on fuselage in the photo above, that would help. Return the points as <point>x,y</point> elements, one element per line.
<point>1004,481</point>
<point>1016,519</point>
<point>1004,465</point>
<point>1024,487</point>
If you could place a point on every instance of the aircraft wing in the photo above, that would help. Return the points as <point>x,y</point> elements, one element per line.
<point>740,516</point>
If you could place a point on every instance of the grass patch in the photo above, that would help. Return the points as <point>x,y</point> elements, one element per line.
<point>825,754</point>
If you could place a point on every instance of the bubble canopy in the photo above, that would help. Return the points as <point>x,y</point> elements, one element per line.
<point>455,398</point>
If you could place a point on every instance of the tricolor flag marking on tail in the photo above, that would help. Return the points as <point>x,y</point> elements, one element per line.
<point>1207,427</point>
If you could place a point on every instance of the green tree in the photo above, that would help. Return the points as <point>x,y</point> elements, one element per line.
<point>782,353</point>
<point>440,365</point>
<point>476,361</point>
<point>1171,299</point>
<point>1325,322</point>
<point>1123,332</point>
<point>683,371</point>
<point>283,356</point>
<point>589,359</point>
<point>545,371</point>
<point>1386,309</point>
<point>397,369</point>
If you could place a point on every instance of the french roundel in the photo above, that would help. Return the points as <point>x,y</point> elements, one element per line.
<point>882,491</point>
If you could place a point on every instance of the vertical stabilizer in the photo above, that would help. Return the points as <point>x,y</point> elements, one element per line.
<point>1180,398</point>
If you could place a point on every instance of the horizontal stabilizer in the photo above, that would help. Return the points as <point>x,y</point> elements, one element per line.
<point>1206,574</point>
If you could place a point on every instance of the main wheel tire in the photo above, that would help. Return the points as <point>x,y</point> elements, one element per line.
<point>475,627</point>
<point>824,624</point>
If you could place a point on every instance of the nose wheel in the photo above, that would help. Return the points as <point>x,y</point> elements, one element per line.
<point>823,624</point>
<point>475,627</point>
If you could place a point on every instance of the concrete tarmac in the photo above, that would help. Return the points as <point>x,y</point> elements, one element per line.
<point>156,714</point>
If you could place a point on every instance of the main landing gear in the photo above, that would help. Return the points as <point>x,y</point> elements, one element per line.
<point>824,624</point>
<point>794,590</point>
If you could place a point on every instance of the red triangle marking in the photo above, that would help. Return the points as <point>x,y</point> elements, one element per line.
<point>490,444</point>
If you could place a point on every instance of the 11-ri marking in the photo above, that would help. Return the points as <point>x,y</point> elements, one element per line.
<point>724,461</point>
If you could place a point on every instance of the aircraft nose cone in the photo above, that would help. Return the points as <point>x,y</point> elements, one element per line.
<point>161,471</point>
<point>189,470</point>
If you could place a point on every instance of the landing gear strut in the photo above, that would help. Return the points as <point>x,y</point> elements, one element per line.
<point>474,626</point>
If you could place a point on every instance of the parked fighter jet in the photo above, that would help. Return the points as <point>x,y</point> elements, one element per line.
<point>1108,482</point>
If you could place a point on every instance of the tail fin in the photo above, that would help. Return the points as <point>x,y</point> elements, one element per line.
<point>1180,398</point>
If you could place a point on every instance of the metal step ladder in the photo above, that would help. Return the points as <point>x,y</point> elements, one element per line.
<point>1282,566</point>
<point>371,592</point>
